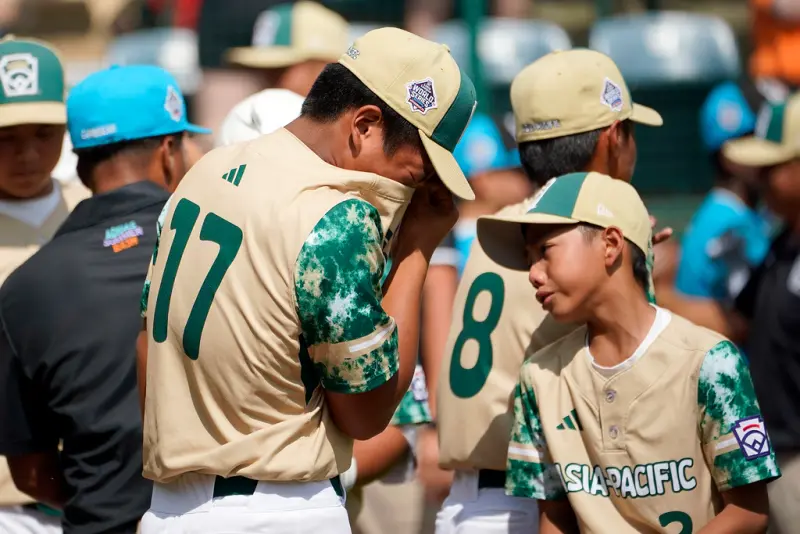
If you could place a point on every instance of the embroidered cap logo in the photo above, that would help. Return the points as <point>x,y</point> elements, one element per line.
<point>421,96</point>
<point>612,95</point>
<point>20,75</point>
<point>173,104</point>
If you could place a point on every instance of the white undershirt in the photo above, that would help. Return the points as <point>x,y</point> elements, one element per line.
<point>34,212</point>
<point>663,317</point>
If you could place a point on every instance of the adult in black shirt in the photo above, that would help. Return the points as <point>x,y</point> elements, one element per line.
<point>70,421</point>
<point>765,317</point>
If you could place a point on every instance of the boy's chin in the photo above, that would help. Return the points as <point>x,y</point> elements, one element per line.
<point>566,314</point>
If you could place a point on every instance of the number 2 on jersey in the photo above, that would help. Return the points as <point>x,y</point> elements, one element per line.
<point>681,518</point>
<point>466,383</point>
<point>216,230</point>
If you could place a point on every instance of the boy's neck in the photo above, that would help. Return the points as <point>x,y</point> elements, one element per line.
<point>619,325</point>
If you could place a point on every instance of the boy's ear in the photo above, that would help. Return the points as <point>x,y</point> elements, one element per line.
<point>614,245</point>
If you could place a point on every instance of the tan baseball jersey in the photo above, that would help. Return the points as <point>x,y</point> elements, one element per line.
<point>264,289</point>
<point>496,319</point>
<point>646,446</point>
<point>18,242</point>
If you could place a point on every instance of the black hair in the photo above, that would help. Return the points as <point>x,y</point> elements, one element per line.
<point>338,90</point>
<point>90,158</point>
<point>549,158</point>
<point>638,258</point>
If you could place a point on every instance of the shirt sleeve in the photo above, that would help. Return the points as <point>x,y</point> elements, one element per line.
<point>23,416</point>
<point>413,409</point>
<point>146,289</point>
<point>530,471</point>
<point>735,442</point>
<point>350,338</point>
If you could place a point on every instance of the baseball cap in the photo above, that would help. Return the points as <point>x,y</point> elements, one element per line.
<point>581,197</point>
<point>292,33</point>
<point>126,103</point>
<point>725,115</point>
<point>481,148</point>
<point>421,81</point>
<point>259,114</point>
<point>570,92</point>
<point>32,80</point>
<point>776,139</point>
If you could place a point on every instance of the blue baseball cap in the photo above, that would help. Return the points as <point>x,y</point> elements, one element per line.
<point>481,148</point>
<point>124,104</point>
<point>725,115</point>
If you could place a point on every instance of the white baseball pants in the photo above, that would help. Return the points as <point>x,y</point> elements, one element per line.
<point>187,506</point>
<point>470,510</point>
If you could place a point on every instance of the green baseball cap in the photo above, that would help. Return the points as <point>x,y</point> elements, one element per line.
<point>581,197</point>
<point>421,81</point>
<point>32,82</point>
<point>289,34</point>
<point>776,139</point>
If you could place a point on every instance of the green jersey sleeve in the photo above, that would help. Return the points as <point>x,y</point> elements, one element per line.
<point>337,277</point>
<point>530,471</point>
<point>413,409</point>
<point>735,441</point>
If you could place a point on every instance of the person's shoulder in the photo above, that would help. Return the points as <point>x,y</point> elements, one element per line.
<point>259,114</point>
<point>558,355</point>
<point>686,335</point>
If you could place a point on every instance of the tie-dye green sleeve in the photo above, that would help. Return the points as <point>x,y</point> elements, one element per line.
<point>413,409</point>
<point>735,441</point>
<point>350,338</point>
<point>530,472</point>
<point>146,289</point>
<point>650,259</point>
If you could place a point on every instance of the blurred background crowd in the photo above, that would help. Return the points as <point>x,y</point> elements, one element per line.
<point>708,66</point>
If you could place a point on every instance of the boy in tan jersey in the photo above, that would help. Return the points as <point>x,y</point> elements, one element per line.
<point>573,112</point>
<point>639,421</point>
<point>32,204</point>
<point>266,286</point>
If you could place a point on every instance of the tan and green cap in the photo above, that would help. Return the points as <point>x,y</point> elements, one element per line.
<point>776,138</point>
<point>289,34</point>
<point>571,92</point>
<point>422,82</point>
<point>581,197</point>
<point>31,83</point>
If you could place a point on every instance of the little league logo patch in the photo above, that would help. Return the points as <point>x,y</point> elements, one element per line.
<point>752,437</point>
<point>421,96</point>
<point>19,74</point>
<point>173,104</point>
<point>612,95</point>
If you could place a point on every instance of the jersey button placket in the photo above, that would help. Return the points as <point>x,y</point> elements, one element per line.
<point>611,395</point>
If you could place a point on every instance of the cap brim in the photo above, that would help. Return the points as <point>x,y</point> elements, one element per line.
<point>503,241</point>
<point>195,129</point>
<point>647,116</point>
<point>447,168</point>
<point>757,152</point>
<point>267,57</point>
<point>33,113</point>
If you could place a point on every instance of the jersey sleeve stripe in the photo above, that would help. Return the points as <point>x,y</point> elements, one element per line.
<point>338,352</point>
<point>524,453</point>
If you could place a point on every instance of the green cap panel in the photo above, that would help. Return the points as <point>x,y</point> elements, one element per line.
<point>283,35</point>
<point>450,129</point>
<point>774,130</point>
<point>560,196</point>
<point>29,72</point>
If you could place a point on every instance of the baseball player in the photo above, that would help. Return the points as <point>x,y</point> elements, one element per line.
<point>271,346</point>
<point>573,112</point>
<point>32,204</point>
<point>394,502</point>
<point>638,421</point>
